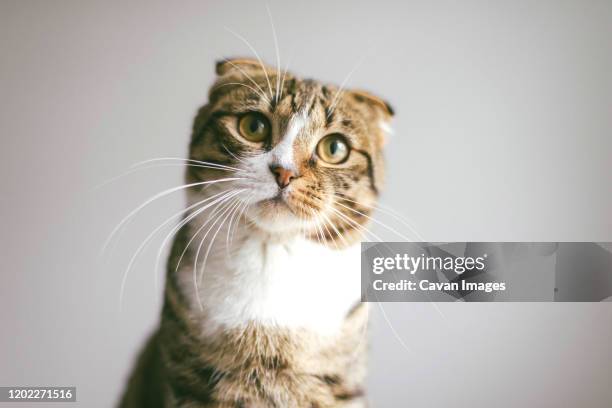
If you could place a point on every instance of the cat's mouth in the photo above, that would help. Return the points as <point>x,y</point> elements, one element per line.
<point>277,202</point>
<point>278,213</point>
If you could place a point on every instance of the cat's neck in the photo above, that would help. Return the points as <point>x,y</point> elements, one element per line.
<point>253,277</point>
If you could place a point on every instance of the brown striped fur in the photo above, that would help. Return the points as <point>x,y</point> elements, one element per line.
<point>256,365</point>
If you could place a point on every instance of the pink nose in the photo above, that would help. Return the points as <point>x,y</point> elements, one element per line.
<point>283,176</point>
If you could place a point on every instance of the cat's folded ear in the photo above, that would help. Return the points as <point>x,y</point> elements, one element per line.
<point>374,101</point>
<point>228,65</point>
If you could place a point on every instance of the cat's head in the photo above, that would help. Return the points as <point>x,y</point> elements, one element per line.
<point>306,156</point>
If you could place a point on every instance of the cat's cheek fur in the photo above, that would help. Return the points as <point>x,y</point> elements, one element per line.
<point>260,184</point>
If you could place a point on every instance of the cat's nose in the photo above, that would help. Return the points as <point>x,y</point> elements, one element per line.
<point>283,176</point>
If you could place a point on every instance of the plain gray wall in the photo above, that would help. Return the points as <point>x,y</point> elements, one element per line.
<point>503,132</point>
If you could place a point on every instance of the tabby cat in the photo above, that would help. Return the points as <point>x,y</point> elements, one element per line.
<point>262,301</point>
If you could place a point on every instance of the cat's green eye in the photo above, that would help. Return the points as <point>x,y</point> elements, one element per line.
<point>333,149</point>
<point>254,127</point>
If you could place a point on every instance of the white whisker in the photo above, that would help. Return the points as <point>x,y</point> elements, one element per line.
<point>219,203</point>
<point>282,84</point>
<point>148,238</point>
<point>256,55</point>
<point>250,78</point>
<point>240,160</point>
<point>336,99</point>
<point>375,221</point>
<point>154,166</point>
<point>155,197</point>
<point>397,336</point>
<point>334,228</point>
<point>320,214</point>
<point>388,210</point>
<point>235,204</point>
<point>278,64</point>
<point>359,227</point>
<point>196,278</point>
<point>243,211</point>
<point>320,233</point>
<point>175,230</point>
<point>223,166</point>
<point>383,242</point>
<point>229,226</point>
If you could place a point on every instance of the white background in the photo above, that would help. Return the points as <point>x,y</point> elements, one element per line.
<point>503,132</point>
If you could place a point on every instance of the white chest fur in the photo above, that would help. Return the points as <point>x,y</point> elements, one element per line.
<point>294,284</point>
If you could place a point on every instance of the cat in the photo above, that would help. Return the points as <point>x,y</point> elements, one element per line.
<point>262,300</point>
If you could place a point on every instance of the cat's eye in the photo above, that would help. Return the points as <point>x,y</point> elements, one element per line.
<point>333,149</point>
<point>254,127</point>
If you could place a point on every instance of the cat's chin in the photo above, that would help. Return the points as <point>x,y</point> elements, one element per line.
<point>275,216</point>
